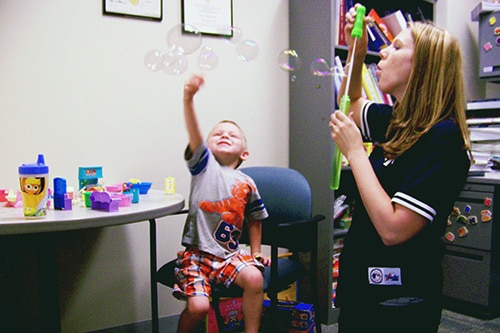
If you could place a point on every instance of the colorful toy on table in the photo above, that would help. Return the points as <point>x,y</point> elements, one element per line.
<point>62,200</point>
<point>134,194</point>
<point>3,195</point>
<point>104,201</point>
<point>14,199</point>
<point>116,188</point>
<point>170,187</point>
<point>33,179</point>
<point>87,190</point>
<point>126,198</point>
<point>142,186</point>
<point>89,175</point>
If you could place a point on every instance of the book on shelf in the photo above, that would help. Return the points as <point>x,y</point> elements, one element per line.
<point>376,38</point>
<point>482,8</point>
<point>338,73</point>
<point>396,22</point>
<point>341,22</point>
<point>370,85</point>
<point>381,24</point>
<point>343,7</point>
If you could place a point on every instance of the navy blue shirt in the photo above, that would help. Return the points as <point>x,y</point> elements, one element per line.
<point>427,179</point>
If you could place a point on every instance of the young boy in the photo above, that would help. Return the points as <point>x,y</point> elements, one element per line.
<point>221,200</point>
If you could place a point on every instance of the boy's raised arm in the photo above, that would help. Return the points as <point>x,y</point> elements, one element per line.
<point>191,87</point>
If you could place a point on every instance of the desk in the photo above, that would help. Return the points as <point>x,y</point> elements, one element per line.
<point>153,205</point>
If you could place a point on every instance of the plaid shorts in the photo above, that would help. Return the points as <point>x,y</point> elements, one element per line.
<point>196,271</point>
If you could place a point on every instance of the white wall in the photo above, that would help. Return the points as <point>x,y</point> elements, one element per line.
<point>74,87</point>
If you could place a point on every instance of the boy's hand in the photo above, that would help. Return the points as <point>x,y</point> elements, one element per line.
<point>192,85</point>
<point>266,261</point>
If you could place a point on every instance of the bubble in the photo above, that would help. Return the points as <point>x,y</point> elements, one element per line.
<point>247,50</point>
<point>236,37</point>
<point>185,39</point>
<point>288,60</point>
<point>207,59</point>
<point>320,67</point>
<point>153,60</point>
<point>174,63</point>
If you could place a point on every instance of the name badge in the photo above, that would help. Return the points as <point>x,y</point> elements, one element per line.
<point>384,276</point>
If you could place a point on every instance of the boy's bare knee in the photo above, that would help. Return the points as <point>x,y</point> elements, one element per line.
<point>198,307</point>
<point>250,279</point>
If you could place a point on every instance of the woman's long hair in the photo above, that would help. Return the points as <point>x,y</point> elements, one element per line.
<point>435,90</point>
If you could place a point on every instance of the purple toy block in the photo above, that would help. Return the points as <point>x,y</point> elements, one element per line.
<point>104,201</point>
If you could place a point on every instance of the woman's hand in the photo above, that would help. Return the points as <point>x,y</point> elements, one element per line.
<point>362,44</point>
<point>346,134</point>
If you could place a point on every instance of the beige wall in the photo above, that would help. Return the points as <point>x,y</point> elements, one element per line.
<point>74,87</point>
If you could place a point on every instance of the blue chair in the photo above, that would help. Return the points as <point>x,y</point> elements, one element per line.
<point>287,197</point>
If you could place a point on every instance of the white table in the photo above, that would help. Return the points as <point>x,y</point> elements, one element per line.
<point>151,206</point>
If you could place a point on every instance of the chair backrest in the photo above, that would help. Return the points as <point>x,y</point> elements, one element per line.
<point>285,192</point>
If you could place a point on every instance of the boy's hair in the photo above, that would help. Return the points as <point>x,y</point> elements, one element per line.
<point>435,90</point>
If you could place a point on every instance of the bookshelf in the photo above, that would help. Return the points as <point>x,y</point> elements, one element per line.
<point>314,34</point>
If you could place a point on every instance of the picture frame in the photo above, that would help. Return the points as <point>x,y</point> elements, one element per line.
<point>142,9</point>
<point>209,17</point>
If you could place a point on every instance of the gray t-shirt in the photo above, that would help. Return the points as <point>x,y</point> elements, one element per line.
<point>221,200</point>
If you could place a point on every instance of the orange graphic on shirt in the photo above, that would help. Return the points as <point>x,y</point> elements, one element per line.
<point>232,210</point>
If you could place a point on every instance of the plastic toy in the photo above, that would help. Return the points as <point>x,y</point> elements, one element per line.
<point>117,188</point>
<point>345,101</point>
<point>14,199</point>
<point>61,198</point>
<point>104,201</point>
<point>134,193</point>
<point>170,185</point>
<point>89,175</point>
<point>3,195</point>
<point>142,186</point>
<point>126,199</point>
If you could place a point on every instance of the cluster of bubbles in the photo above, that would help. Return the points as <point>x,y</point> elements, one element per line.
<point>183,40</point>
<point>289,61</point>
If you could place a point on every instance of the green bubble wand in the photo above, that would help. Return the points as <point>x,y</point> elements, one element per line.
<point>345,101</point>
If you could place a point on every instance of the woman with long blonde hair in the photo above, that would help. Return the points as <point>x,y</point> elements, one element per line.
<point>390,267</point>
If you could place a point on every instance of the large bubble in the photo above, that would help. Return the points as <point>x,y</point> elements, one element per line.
<point>236,37</point>
<point>185,39</point>
<point>288,60</point>
<point>153,60</point>
<point>174,63</point>
<point>247,50</point>
<point>320,67</point>
<point>207,59</point>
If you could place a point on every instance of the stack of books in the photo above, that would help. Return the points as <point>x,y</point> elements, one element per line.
<point>381,29</point>
<point>371,90</point>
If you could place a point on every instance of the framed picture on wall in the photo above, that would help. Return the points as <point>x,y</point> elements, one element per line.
<point>210,17</point>
<point>145,9</point>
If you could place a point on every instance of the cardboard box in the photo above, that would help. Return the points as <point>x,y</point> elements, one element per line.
<point>231,316</point>
<point>291,317</point>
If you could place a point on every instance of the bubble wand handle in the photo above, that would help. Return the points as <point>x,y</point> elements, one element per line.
<point>345,101</point>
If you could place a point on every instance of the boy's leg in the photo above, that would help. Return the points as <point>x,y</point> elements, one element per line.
<point>250,279</point>
<point>192,316</point>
